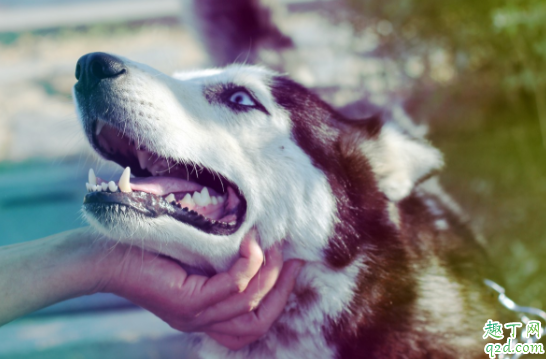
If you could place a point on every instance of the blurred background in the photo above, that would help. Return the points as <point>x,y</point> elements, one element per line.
<point>471,72</point>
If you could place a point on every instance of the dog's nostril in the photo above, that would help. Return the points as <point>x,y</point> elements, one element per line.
<point>78,71</point>
<point>95,67</point>
<point>103,67</point>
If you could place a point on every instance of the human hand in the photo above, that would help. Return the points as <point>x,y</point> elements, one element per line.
<point>235,308</point>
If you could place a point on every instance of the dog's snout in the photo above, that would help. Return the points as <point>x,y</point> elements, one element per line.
<point>97,66</point>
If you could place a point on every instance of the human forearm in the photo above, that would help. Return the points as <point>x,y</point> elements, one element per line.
<point>66,265</point>
<point>39,273</point>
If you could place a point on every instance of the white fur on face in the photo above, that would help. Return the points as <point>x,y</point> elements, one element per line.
<point>287,197</point>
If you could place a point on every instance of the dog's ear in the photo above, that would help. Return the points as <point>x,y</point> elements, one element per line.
<point>398,159</point>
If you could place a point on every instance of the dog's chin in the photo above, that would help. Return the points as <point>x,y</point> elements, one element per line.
<point>197,252</point>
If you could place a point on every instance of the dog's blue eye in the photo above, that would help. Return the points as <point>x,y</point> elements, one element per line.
<point>242,98</point>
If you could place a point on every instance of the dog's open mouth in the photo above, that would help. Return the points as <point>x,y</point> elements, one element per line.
<point>187,192</point>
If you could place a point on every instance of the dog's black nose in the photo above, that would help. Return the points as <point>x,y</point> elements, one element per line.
<point>97,66</point>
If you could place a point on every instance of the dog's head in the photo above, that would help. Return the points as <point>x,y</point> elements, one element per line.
<point>219,151</point>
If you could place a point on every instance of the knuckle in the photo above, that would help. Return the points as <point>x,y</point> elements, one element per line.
<point>239,286</point>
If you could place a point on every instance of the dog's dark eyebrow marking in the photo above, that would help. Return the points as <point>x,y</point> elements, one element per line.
<point>220,94</point>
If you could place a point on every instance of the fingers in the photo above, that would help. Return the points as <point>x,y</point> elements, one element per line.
<point>224,305</point>
<point>162,286</point>
<point>250,262</point>
<point>257,289</point>
<point>259,321</point>
<point>189,297</point>
<point>219,287</point>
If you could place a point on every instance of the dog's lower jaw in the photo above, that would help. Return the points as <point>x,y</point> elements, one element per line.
<point>180,242</point>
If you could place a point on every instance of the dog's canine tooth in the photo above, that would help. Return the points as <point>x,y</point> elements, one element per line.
<point>112,186</point>
<point>205,197</point>
<point>124,182</point>
<point>104,186</point>
<point>170,198</point>
<point>92,178</point>
<point>99,127</point>
<point>143,158</point>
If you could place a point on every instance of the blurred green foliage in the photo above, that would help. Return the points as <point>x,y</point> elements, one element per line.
<point>476,70</point>
<point>493,48</point>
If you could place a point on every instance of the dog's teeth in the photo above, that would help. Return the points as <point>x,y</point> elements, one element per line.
<point>205,197</point>
<point>197,198</point>
<point>92,178</point>
<point>143,157</point>
<point>112,186</point>
<point>123,208</point>
<point>187,201</point>
<point>213,200</point>
<point>221,199</point>
<point>97,188</point>
<point>88,187</point>
<point>170,198</point>
<point>124,182</point>
<point>104,186</point>
<point>100,125</point>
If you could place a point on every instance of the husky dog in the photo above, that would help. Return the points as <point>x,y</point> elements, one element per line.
<point>391,271</point>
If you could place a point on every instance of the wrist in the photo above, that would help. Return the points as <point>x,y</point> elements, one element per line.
<point>87,258</point>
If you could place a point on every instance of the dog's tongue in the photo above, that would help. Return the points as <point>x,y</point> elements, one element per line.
<point>161,186</point>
